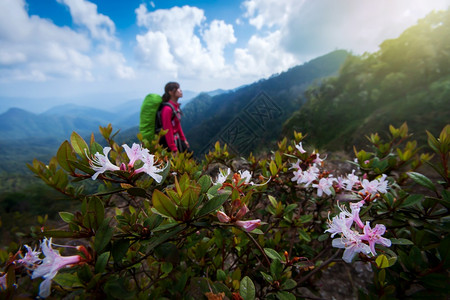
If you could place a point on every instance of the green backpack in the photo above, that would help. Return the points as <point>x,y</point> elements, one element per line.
<point>150,119</point>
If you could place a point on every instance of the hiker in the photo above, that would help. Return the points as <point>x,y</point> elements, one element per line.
<point>171,114</point>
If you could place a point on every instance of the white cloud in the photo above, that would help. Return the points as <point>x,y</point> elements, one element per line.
<point>35,49</point>
<point>263,56</point>
<point>270,13</point>
<point>311,28</point>
<point>85,13</point>
<point>179,40</point>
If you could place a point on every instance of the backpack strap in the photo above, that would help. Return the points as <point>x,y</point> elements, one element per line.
<point>174,111</point>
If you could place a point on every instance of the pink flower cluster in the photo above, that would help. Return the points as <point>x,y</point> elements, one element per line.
<point>47,267</point>
<point>360,239</point>
<point>100,162</point>
<point>236,218</point>
<point>326,184</point>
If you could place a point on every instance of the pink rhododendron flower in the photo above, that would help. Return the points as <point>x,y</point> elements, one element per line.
<point>3,282</point>
<point>222,217</point>
<point>324,186</point>
<point>306,177</point>
<point>318,160</point>
<point>356,208</point>
<point>351,180</point>
<point>352,243</point>
<point>382,184</point>
<point>300,148</point>
<point>374,236</point>
<point>241,212</point>
<point>149,166</point>
<point>134,153</point>
<point>50,265</point>
<point>296,166</point>
<point>369,186</point>
<point>31,258</point>
<point>298,174</point>
<point>100,163</point>
<point>339,224</point>
<point>374,186</point>
<point>249,225</point>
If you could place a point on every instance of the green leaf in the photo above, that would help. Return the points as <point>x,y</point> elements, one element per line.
<point>58,234</point>
<point>221,275</point>
<point>153,221</point>
<point>64,154</point>
<point>166,267</point>
<point>273,201</point>
<point>289,284</point>
<point>165,227</point>
<point>247,289</point>
<point>411,200</point>
<point>382,261</point>
<point>119,249</point>
<point>67,280</point>
<point>205,183</point>
<point>136,191</point>
<point>283,295</point>
<point>116,289</point>
<point>433,142</point>
<point>66,216</point>
<point>79,145</point>
<point>401,241</point>
<point>267,277</point>
<point>272,254</point>
<point>278,159</point>
<point>102,261</point>
<point>304,235</point>
<point>163,204</point>
<point>306,218</point>
<point>276,267</point>
<point>103,236</point>
<point>273,168</point>
<point>422,180</point>
<point>212,204</point>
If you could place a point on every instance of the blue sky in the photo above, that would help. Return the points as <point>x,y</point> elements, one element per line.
<point>102,51</point>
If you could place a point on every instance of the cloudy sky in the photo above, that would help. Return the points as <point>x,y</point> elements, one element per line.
<point>56,51</point>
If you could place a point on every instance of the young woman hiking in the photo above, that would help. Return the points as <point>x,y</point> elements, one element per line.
<point>171,114</point>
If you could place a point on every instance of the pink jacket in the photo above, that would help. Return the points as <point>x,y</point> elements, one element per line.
<point>173,125</point>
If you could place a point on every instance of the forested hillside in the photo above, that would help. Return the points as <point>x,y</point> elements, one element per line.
<point>251,117</point>
<point>407,80</point>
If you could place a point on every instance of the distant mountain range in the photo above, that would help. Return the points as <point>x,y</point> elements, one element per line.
<point>250,119</point>
<point>59,121</point>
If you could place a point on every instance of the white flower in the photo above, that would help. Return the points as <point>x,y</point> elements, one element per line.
<point>149,166</point>
<point>246,175</point>
<point>369,186</point>
<point>134,153</point>
<point>351,241</point>
<point>382,184</point>
<point>101,163</point>
<point>300,148</point>
<point>324,186</point>
<point>318,160</point>
<point>351,180</point>
<point>222,177</point>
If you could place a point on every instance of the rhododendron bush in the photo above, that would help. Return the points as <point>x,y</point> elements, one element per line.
<point>158,225</point>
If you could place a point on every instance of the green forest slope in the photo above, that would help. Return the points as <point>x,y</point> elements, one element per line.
<point>407,80</point>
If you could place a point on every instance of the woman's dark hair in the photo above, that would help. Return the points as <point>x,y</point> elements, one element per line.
<point>170,86</point>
